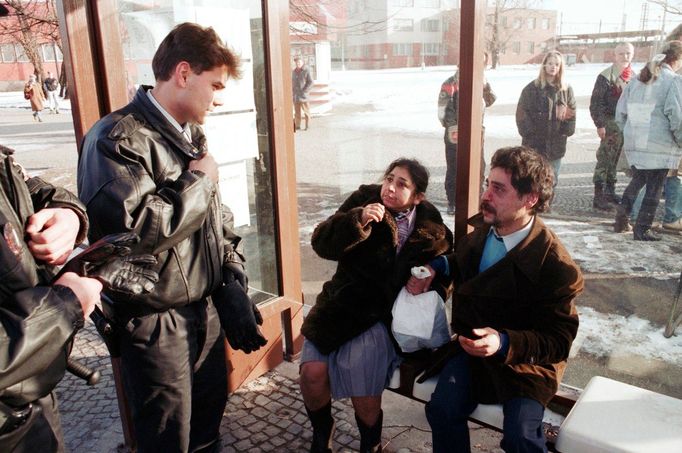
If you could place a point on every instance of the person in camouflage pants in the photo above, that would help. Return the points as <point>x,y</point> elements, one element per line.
<point>607,90</point>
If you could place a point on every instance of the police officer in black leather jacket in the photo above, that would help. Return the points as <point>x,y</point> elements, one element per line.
<point>146,169</point>
<point>42,307</point>
<point>39,224</point>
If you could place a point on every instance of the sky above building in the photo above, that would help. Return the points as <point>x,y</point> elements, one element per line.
<point>590,16</point>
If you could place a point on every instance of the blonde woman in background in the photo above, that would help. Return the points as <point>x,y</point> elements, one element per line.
<point>545,114</point>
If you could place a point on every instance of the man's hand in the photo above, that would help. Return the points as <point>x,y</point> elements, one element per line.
<point>87,290</point>
<point>238,274</point>
<point>487,343</point>
<point>601,132</point>
<point>239,317</point>
<point>207,165</point>
<point>372,213</point>
<point>109,261</point>
<point>420,285</point>
<point>52,234</point>
<point>564,113</point>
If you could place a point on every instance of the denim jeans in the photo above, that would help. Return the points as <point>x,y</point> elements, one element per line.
<point>452,402</point>
<point>673,199</point>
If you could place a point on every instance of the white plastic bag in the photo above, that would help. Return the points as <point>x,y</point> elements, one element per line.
<point>419,322</point>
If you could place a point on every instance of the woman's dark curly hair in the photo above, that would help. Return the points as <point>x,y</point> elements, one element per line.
<point>530,173</point>
<point>418,172</point>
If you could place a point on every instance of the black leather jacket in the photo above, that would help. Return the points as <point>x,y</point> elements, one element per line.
<point>37,322</point>
<point>133,176</point>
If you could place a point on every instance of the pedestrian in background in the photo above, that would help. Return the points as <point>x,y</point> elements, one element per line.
<point>448,111</point>
<point>34,93</point>
<point>607,90</point>
<point>146,168</point>
<point>51,86</point>
<point>377,235</point>
<point>650,114</point>
<point>545,114</point>
<point>302,82</point>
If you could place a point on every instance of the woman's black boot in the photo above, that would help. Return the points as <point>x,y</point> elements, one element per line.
<point>323,429</point>
<point>370,436</point>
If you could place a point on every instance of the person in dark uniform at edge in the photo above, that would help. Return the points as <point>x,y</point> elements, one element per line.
<point>41,309</point>
<point>38,318</point>
<point>448,111</point>
<point>146,168</point>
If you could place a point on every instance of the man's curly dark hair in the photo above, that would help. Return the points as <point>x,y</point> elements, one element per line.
<point>530,173</point>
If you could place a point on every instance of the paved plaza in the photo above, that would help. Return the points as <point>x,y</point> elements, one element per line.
<point>265,415</point>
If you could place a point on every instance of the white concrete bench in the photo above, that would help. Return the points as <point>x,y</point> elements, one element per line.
<point>608,417</point>
<point>613,417</point>
<point>489,415</point>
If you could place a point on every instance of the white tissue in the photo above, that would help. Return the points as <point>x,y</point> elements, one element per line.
<point>420,272</point>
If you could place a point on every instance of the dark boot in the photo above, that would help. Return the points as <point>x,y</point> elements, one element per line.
<point>610,193</point>
<point>622,223</point>
<point>323,429</point>
<point>370,436</point>
<point>646,235</point>
<point>600,202</point>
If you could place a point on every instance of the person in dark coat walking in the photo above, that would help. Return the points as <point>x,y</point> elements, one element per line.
<point>607,89</point>
<point>377,235</point>
<point>301,82</point>
<point>513,309</point>
<point>545,114</point>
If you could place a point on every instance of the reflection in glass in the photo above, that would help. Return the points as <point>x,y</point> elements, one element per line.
<point>237,131</point>
<point>384,105</point>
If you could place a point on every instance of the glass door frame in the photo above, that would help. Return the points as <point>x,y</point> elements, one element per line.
<point>94,54</point>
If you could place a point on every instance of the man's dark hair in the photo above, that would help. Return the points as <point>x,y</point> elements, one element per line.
<point>530,173</point>
<point>418,172</point>
<point>201,47</point>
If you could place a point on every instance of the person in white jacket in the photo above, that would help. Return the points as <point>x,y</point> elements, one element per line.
<point>650,114</point>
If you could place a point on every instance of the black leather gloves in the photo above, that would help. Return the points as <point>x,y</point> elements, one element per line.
<point>238,315</point>
<point>238,273</point>
<point>109,261</point>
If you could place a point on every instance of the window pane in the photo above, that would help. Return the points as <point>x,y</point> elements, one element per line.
<point>237,132</point>
<point>48,52</point>
<point>21,56</point>
<point>384,107</point>
<point>403,25</point>
<point>8,55</point>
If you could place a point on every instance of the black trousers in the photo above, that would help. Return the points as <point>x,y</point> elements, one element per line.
<point>654,181</point>
<point>175,376</point>
<point>451,167</point>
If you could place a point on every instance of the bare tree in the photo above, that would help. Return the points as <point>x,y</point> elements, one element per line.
<point>499,34</point>
<point>310,12</point>
<point>30,23</point>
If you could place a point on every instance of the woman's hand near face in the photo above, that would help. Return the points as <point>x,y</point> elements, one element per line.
<point>372,213</point>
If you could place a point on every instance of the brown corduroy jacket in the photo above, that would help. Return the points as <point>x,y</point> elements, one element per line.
<point>530,295</point>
